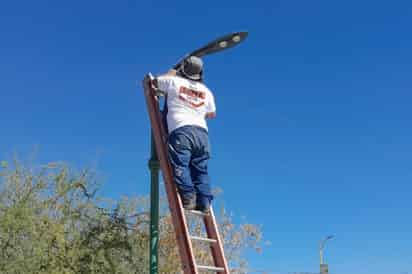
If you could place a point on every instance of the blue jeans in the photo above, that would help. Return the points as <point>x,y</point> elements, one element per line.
<point>189,152</point>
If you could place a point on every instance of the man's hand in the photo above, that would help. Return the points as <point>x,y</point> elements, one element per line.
<point>211,115</point>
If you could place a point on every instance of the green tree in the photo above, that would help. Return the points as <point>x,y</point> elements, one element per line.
<point>53,221</point>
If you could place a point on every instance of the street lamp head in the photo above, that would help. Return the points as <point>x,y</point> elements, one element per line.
<point>321,247</point>
<point>323,242</point>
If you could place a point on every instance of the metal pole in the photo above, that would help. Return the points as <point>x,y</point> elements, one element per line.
<point>154,208</point>
<point>321,255</point>
<point>323,267</point>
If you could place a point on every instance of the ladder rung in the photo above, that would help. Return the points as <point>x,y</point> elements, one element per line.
<point>210,268</point>
<point>211,241</point>
<point>197,212</point>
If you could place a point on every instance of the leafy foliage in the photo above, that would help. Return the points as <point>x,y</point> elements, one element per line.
<point>52,221</point>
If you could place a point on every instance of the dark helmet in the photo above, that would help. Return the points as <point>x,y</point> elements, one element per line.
<point>192,68</point>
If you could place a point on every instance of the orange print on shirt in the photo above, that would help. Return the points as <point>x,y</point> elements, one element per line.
<point>191,96</point>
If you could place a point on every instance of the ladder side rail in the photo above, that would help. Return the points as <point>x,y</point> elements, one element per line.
<point>176,209</point>
<point>212,231</point>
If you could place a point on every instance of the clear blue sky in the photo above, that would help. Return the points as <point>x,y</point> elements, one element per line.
<point>313,134</point>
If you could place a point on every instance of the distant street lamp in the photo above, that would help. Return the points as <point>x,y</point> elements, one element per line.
<point>323,267</point>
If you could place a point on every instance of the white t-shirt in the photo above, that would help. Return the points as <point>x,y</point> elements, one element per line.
<point>187,101</point>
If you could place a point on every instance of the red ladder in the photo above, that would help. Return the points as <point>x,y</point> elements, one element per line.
<point>183,237</point>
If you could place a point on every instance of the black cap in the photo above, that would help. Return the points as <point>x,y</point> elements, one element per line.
<point>192,68</point>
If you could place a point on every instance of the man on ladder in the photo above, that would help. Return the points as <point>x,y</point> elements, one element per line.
<point>184,155</point>
<point>189,102</point>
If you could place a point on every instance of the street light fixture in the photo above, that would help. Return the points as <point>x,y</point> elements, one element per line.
<point>322,246</point>
<point>324,268</point>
